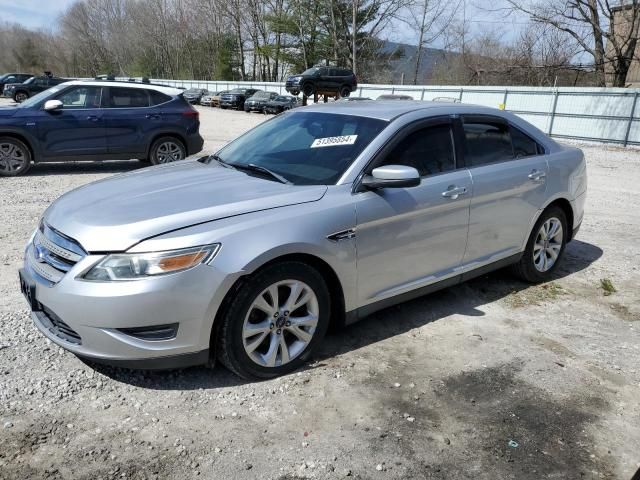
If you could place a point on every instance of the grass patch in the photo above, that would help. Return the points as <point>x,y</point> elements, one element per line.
<point>607,286</point>
<point>535,295</point>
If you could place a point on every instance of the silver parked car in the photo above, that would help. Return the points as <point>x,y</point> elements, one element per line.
<point>320,215</point>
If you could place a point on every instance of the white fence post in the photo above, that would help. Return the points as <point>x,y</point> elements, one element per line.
<point>633,112</point>
<point>553,111</point>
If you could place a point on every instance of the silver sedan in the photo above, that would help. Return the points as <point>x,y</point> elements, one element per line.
<point>318,216</point>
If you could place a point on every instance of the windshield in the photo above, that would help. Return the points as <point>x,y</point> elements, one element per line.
<point>282,99</point>
<point>31,101</point>
<point>306,148</point>
<point>238,90</point>
<point>262,95</point>
<point>192,90</point>
<point>30,80</point>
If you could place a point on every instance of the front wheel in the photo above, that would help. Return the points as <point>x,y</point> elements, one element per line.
<point>15,157</point>
<point>20,97</point>
<point>308,89</point>
<point>167,150</point>
<point>545,247</point>
<point>274,321</point>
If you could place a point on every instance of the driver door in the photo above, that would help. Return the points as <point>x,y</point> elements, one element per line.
<point>77,130</point>
<point>408,238</point>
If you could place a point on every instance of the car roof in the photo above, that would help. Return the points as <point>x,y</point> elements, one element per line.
<point>113,83</point>
<point>391,109</point>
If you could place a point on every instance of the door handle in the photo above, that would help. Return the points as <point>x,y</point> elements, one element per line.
<point>536,175</point>
<point>93,118</point>
<point>152,116</point>
<point>454,192</point>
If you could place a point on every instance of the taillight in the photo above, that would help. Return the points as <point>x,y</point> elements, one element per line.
<point>191,113</point>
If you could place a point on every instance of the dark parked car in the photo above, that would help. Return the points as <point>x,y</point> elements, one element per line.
<point>236,97</point>
<point>98,120</point>
<point>280,104</point>
<point>258,101</point>
<point>21,91</point>
<point>194,95</point>
<point>13,78</point>
<point>323,79</point>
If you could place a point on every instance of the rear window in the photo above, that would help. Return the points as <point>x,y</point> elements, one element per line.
<point>486,141</point>
<point>120,97</point>
<point>523,145</point>
<point>158,97</point>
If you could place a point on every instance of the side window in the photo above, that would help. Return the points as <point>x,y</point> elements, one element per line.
<point>429,150</point>
<point>523,145</point>
<point>323,71</point>
<point>127,98</point>
<point>158,98</point>
<point>334,72</point>
<point>40,82</point>
<point>81,97</point>
<point>486,141</point>
<point>11,79</point>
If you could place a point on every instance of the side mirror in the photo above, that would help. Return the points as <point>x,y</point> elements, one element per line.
<point>53,105</point>
<point>392,176</point>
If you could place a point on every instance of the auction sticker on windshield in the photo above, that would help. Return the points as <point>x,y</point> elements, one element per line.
<point>334,141</point>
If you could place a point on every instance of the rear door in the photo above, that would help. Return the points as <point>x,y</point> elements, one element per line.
<point>128,120</point>
<point>508,170</point>
<point>77,131</point>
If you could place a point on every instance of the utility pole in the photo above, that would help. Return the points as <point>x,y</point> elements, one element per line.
<point>353,35</point>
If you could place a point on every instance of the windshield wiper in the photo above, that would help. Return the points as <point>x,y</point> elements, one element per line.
<point>217,158</point>
<point>258,168</point>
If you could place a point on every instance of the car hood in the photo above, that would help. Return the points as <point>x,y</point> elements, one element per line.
<point>114,214</point>
<point>7,111</point>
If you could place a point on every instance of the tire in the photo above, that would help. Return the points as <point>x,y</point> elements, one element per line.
<point>535,265</point>
<point>15,157</point>
<point>247,355</point>
<point>167,150</point>
<point>20,96</point>
<point>308,89</point>
<point>345,91</point>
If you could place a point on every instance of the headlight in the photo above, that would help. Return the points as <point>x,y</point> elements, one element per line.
<point>134,266</point>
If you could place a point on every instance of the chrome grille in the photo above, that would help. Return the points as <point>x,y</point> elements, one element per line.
<point>51,255</point>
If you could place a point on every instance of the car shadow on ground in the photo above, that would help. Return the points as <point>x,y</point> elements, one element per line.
<point>67,168</point>
<point>464,299</point>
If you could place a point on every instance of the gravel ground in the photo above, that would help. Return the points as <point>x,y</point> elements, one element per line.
<point>493,379</point>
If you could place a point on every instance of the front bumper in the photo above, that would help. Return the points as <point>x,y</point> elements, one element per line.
<point>85,318</point>
<point>256,107</point>
<point>230,103</point>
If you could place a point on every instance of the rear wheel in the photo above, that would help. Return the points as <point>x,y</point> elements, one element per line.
<point>545,247</point>
<point>167,150</point>
<point>345,91</point>
<point>273,323</point>
<point>15,157</point>
<point>20,97</point>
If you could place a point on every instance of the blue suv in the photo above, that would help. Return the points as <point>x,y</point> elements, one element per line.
<point>98,120</point>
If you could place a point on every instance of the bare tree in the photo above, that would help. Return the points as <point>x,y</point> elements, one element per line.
<point>431,19</point>
<point>605,29</point>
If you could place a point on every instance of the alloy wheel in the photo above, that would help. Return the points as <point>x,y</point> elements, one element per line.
<point>280,323</point>
<point>169,152</point>
<point>12,157</point>
<point>21,97</point>
<point>548,244</point>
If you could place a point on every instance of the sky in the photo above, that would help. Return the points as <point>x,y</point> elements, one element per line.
<point>482,14</point>
<point>33,13</point>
